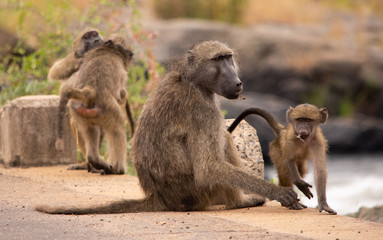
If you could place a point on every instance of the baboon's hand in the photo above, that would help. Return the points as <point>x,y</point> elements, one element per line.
<point>325,207</point>
<point>304,187</point>
<point>59,144</point>
<point>287,197</point>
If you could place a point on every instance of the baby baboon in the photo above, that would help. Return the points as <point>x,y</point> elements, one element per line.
<point>64,68</point>
<point>184,157</point>
<point>301,139</point>
<point>97,101</point>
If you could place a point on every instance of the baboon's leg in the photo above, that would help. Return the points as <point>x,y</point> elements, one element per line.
<point>320,177</point>
<point>116,139</point>
<point>80,145</point>
<point>91,135</point>
<point>235,198</point>
<point>115,131</point>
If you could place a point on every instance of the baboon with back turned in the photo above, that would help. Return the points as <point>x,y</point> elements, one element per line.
<point>99,88</point>
<point>184,157</point>
<point>66,70</point>
<point>300,140</point>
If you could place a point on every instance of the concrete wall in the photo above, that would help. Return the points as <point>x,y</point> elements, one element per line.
<point>28,129</point>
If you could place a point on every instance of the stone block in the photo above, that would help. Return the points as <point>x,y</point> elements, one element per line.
<point>246,140</point>
<point>28,129</point>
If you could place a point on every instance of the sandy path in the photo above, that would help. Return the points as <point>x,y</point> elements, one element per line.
<point>21,189</point>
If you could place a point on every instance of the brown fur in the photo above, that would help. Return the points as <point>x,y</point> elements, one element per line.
<point>100,86</point>
<point>301,139</point>
<point>67,68</point>
<point>64,68</point>
<point>184,157</point>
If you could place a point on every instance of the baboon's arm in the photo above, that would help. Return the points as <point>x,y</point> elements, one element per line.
<point>320,177</point>
<point>64,68</point>
<point>297,180</point>
<point>210,170</point>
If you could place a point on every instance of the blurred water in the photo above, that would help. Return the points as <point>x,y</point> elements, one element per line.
<point>353,181</point>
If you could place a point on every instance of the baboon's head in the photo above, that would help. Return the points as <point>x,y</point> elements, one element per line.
<point>213,66</point>
<point>305,118</point>
<point>87,40</point>
<point>121,46</point>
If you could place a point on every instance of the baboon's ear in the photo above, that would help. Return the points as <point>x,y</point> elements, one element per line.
<point>288,114</point>
<point>129,53</point>
<point>190,57</point>
<point>108,43</point>
<point>323,115</point>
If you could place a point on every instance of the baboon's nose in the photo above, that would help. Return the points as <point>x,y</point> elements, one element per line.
<point>238,85</point>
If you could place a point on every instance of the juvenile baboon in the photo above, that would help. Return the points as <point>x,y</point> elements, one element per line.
<point>184,157</point>
<point>97,99</point>
<point>300,140</point>
<point>67,69</point>
<point>64,68</point>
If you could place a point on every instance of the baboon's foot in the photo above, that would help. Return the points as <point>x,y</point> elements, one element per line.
<point>249,201</point>
<point>325,207</point>
<point>81,166</point>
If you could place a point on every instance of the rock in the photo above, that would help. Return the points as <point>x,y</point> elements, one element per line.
<point>246,140</point>
<point>374,214</point>
<point>298,63</point>
<point>28,127</point>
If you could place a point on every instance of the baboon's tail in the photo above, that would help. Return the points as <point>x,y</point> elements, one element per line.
<point>62,109</point>
<point>124,206</point>
<point>130,118</point>
<point>274,124</point>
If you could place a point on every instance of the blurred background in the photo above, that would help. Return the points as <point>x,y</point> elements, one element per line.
<point>325,52</point>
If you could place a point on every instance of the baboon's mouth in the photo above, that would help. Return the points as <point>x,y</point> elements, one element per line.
<point>301,137</point>
<point>304,136</point>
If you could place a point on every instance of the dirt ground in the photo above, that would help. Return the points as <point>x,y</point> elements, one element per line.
<point>23,188</point>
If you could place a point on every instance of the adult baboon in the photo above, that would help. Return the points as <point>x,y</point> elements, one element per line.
<point>97,100</point>
<point>300,140</point>
<point>184,157</point>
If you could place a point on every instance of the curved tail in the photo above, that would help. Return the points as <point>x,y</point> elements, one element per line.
<point>274,124</point>
<point>130,117</point>
<point>123,206</point>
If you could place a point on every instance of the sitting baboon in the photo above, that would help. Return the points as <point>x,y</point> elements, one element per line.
<point>97,96</point>
<point>184,157</point>
<point>300,140</point>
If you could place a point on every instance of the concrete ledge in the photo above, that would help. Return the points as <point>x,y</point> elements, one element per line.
<point>22,189</point>
<point>28,127</point>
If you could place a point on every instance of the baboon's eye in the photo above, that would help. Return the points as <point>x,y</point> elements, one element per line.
<point>304,119</point>
<point>222,57</point>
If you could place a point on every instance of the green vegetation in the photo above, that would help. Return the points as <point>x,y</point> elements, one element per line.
<point>59,22</point>
<point>222,10</point>
<point>258,11</point>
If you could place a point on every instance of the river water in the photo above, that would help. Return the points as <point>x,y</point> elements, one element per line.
<point>353,181</point>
